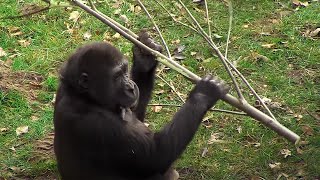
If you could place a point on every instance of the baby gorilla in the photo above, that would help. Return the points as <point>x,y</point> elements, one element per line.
<point>99,114</point>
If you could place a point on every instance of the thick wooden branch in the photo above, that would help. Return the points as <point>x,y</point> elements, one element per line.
<point>247,108</point>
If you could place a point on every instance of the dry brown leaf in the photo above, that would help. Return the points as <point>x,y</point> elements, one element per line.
<point>14,31</point>
<point>117,4</point>
<point>74,16</point>
<point>193,53</point>
<point>2,52</point>
<point>315,33</point>
<point>24,42</point>
<point>116,36</point>
<point>22,130</point>
<point>137,9</point>
<point>275,165</point>
<point>116,12</point>
<point>4,130</point>
<point>177,41</point>
<point>214,138</point>
<point>34,118</point>
<point>87,35</point>
<point>124,18</point>
<point>299,150</point>
<point>307,130</point>
<point>16,169</point>
<point>156,108</point>
<point>268,46</point>
<point>204,152</point>
<point>245,26</point>
<point>285,152</point>
<point>161,91</point>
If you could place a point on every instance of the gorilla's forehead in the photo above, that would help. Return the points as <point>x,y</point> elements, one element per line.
<point>121,65</point>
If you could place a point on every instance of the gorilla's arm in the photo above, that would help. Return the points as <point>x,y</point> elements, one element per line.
<point>155,153</point>
<point>143,72</point>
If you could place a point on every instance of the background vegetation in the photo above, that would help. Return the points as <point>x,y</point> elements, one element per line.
<point>275,44</point>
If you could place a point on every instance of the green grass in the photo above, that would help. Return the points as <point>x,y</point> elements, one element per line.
<point>290,76</point>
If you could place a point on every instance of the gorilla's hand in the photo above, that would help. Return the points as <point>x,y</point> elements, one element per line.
<point>142,58</point>
<point>209,90</point>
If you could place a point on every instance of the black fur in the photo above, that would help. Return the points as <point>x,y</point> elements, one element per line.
<point>99,134</point>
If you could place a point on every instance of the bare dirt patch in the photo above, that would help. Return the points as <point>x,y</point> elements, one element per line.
<point>25,82</point>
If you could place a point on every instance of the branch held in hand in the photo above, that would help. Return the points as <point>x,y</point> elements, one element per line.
<point>250,110</point>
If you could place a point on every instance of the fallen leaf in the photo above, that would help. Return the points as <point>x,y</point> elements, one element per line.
<point>146,124</point>
<point>259,57</point>
<point>157,108</point>
<point>275,165</point>
<point>177,41</point>
<point>74,16</point>
<point>24,43</point>
<point>117,4</point>
<point>137,9</point>
<point>87,35</point>
<point>193,53</point>
<point>307,130</point>
<point>268,46</point>
<point>214,138</point>
<point>116,12</point>
<point>54,98</point>
<point>34,118</point>
<point>14,31</point>
<point>16,169</point>
<point>217,36</point>
<point>2,52</point>
<point>239,129</point>
<point>4,130</point>
<point>159,92</point>
<point>13,149</point>
<point>315,33</point>
<point>285,152</point>
<point>22,130</point>
<point>116,36</point>
<point>204,152</point>
<point>124,18</point>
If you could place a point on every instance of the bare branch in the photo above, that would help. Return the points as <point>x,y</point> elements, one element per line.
<point>217,51</point>
<point>92,5</point>
<point>157,28</point>
<point>212,109</point>
<point>172,87</point>
<point>208,18</point>
<point>247,108</point>
<point>174,19</point>
<point>230,27</point>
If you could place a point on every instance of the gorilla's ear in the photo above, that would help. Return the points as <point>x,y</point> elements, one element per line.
<point>83,81</point>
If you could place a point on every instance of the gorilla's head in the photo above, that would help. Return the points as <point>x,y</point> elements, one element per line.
<point>99,72</point>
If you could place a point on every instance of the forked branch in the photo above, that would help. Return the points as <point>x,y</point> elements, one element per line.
<point>250,110</point>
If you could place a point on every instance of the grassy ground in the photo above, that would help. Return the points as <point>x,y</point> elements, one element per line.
<point>289,75</point>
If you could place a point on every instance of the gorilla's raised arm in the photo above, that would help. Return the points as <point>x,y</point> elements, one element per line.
<point>143,72</point>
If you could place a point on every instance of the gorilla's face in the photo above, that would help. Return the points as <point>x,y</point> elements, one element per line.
<point>126,92</point>
<point>104,77</point>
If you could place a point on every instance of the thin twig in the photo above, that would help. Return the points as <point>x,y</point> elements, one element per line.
<point>208,18</point>
<point>213,109</point>
<point>157,28</point>
<point>172,87</point>
<point>27,14</point>
<point>227,46</point>
<point>230,27</point>
<point>174,19</point>
<point>92,5</point>
<point>213,45</point>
